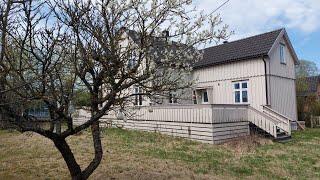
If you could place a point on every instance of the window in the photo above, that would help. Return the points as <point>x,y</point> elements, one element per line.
<point>137,96</point>
<point>172,98</point>
<point>205,96</point>
<point>282,60</point>
<point>132,59</point>
<point>39,110</point>
<point>194,97</point>
<point>240,91</point>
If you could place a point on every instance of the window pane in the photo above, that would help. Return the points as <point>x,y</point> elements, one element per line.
<point>170,98</point>
<point>205,96</point>
<point>244,85</point>
<point>237,96</point>
<point>281,54</point>
<point>244,96</point>
<point>236,86</point>
<point>140,100</point>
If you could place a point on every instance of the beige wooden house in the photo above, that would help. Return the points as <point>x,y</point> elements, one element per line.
<point>258,70</point>
<point>245,82</point>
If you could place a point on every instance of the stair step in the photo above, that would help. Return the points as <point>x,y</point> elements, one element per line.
<point>283,139</point>
<point>281,134</point>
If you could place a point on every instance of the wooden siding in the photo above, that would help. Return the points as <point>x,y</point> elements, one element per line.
<point>221,77</point>
<point>209,133</point>
<point>286,70</point>
<point>206,114</point>
<point>207,123</point>
<point>281,80</point>
<point>229,71</point>
<point>283,96</point>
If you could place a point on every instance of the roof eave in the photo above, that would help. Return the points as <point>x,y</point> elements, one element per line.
<point>230,61</point>
<point>281,34</point>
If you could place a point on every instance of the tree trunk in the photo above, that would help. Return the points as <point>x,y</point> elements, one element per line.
<point>58,127</point>
<point>74,168</point>
<point>98,153</point>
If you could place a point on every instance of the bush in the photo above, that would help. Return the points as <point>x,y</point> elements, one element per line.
<point>81,98</point>
<point>315,109</point>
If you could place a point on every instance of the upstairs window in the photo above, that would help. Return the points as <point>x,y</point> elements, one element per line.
<point>240,91</point>
<point>132,59</point>
<point>137,92</point>
<point>172,98</point>
<point>282,60</point>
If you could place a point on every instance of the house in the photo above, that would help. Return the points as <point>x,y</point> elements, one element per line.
<point>308,95</point>
<point>312,87</point>
<point>248,81</point>
<point>258,70</point>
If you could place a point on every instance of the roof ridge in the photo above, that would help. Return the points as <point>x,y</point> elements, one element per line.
<point>245,38</point>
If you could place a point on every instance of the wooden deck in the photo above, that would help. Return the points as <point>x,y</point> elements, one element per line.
<point>207,123</point>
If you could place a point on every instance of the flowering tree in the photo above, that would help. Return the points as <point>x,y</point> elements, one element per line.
<point>51,48</point>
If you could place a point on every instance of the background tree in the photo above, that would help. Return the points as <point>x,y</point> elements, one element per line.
<point>305,100</point>
<point>50,48</point>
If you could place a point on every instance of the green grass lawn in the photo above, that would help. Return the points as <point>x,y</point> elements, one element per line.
<point>143,155</point>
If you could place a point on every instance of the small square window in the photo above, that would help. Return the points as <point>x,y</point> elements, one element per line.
<point>244,85</point>
<point>236,86</point>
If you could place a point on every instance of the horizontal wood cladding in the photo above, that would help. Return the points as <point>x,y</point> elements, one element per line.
<point>204,132</point>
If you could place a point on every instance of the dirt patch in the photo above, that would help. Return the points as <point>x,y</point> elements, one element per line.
<point>246,144</point>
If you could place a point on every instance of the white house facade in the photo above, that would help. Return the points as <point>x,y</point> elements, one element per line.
<point>260,71</point>
<point>245,82</point>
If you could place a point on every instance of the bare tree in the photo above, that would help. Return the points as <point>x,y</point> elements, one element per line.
<point>51,48</point>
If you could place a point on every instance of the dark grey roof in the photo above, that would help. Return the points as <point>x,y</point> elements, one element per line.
<point>161,46</point>
<point>312,85</point>
<point>247,48</point>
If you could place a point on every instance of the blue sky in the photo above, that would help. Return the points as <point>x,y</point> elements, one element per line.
<point>301,18</point>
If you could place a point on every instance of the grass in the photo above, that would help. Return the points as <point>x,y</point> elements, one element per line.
<point>143,155</point>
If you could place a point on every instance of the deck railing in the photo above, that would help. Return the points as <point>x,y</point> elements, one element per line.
<point>206,114</point>
<point>268,120</point>
<point>283,121</point>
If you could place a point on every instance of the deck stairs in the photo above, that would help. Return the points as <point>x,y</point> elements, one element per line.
<point>272,123</point>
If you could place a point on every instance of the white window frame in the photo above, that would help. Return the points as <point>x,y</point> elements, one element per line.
<point>202,94</point>
<point>173,98</point>
<point>132,61</point>
<point>137,96</point>
<point>282,54</point>
<point>240,90</point>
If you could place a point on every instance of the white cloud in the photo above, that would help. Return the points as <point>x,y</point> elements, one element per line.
<point>248,17</point>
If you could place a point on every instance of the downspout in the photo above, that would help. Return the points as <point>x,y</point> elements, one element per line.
<point>266,79</point>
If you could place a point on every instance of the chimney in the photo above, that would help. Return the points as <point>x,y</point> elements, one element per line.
<point>225,42</point>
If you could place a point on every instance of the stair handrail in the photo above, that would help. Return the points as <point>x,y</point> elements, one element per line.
<point>276,112</point>
<point>276,121</point>
<point>271,120</point>
<point>282,118</point>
